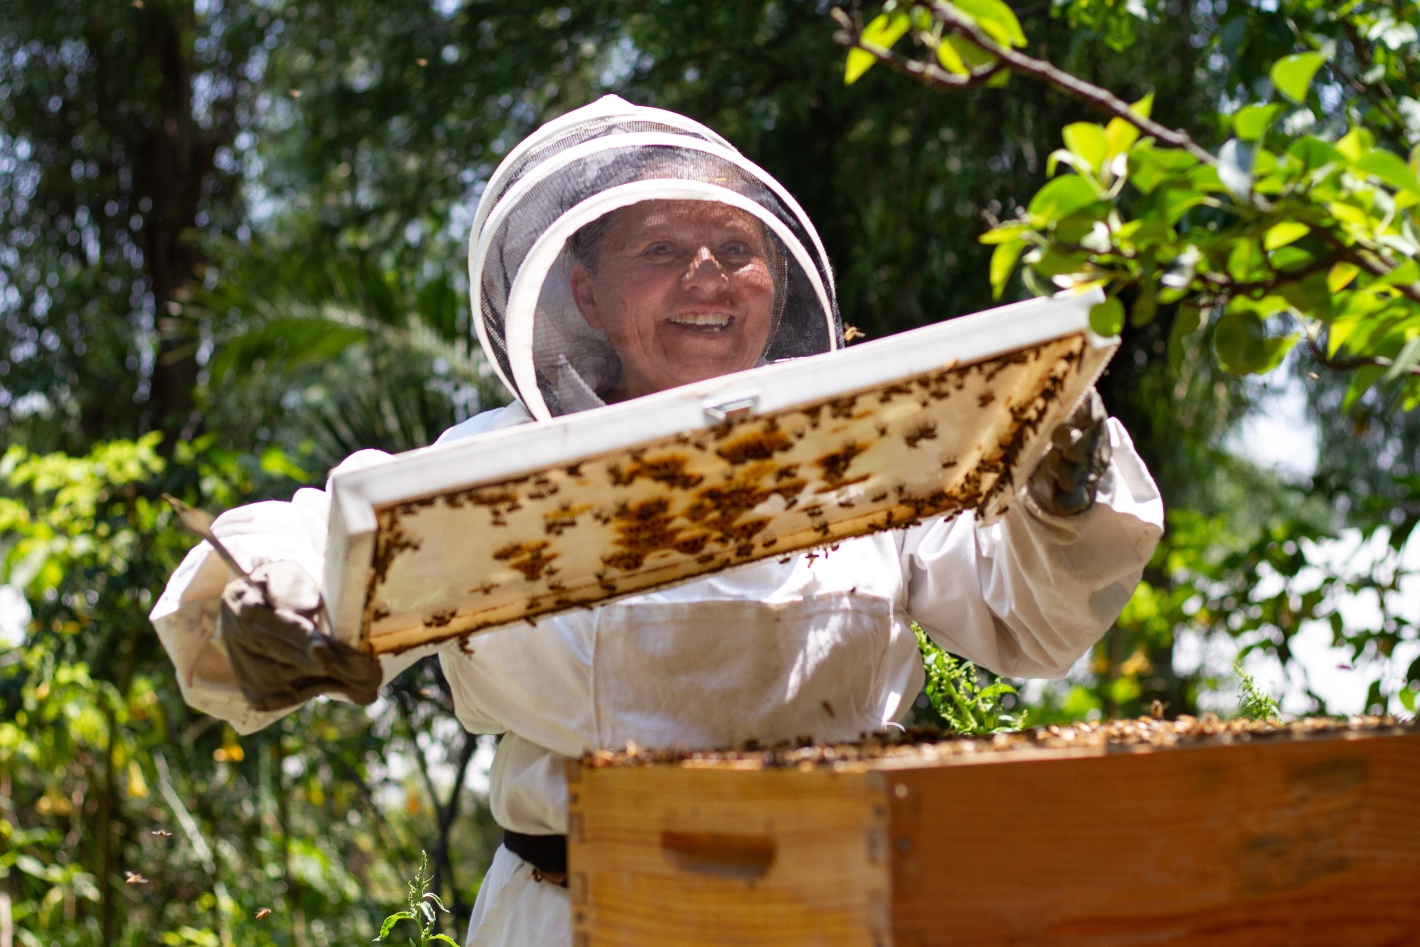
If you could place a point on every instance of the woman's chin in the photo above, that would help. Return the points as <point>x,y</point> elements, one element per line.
<point>703,369</point>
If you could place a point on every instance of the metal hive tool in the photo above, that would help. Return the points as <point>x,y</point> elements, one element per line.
<point>423,548</point>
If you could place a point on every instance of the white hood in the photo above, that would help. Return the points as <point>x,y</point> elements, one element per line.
<point>580,168</point>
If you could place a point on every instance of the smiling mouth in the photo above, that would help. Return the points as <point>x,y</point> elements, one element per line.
<point>703,321</point>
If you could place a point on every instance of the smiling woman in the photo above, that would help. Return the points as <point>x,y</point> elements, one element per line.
<point>618,251</point>
<point>684,290</point>
<point>616,258</point>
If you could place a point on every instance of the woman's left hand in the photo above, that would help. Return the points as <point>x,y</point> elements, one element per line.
<point>1066,479</point>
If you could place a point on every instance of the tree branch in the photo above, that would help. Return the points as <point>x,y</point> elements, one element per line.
<point>926,73</point>
<point>1044,71</point>
<point>1234,288</point>
<point>1363,56</point>
<point>1351,364</point>
<point>1039,69</point>
<point>1368,262</point>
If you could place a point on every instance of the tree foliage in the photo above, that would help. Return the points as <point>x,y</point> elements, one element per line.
<point>232,252</point>
<point>1299,218</point>
<point>1297,225</point>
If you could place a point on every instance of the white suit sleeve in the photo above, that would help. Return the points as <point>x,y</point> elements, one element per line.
<point>1028,595</point>
<point>185,616</point>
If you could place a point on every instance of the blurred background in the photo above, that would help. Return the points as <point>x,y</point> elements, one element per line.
<point>232,251</point>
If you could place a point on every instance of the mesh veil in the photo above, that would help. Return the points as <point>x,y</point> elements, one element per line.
<point>626,184</point>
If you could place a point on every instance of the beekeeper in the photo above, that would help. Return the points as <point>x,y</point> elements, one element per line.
<point>616,252</point>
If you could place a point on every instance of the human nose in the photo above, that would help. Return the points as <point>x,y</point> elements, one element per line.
<point>704,271</point>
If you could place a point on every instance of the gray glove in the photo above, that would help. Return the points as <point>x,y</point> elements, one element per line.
<point>1066,479</point>
<point>279,656</point>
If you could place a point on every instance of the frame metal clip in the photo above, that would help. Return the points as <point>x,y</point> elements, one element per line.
<point>740,407</point>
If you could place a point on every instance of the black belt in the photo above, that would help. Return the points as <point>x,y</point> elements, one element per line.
<point>546,853</point>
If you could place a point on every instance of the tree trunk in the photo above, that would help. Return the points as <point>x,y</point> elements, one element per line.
<point>176,156</point>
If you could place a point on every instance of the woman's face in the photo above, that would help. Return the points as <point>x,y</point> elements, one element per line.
<point>683,290</point>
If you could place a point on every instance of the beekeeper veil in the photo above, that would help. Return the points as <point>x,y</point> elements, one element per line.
<point>621,250</point>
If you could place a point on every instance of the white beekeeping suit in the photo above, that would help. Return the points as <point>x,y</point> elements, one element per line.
<point>805,645</point>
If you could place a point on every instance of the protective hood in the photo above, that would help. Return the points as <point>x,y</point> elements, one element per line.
<point>621,250</point>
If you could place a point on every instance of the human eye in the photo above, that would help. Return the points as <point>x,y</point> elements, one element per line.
<point>737,251</point>
<point>659,250</point>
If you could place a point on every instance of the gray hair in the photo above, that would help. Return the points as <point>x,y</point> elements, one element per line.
<point>586,243</point>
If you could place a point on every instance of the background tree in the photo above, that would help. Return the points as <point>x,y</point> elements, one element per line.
<point>1299,218</point>
<point>233,251</point>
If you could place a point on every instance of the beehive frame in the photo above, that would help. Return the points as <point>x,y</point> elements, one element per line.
<point>533,520</point>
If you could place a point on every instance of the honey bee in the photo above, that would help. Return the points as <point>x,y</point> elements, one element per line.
<point>160,833</point>
<point>133,878</point>
<point>263,914</point>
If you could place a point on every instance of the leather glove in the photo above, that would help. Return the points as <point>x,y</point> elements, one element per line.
<point>279,656</point>
<point>1066,479</point>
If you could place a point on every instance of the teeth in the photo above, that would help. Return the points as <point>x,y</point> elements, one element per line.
<point>718,320</point>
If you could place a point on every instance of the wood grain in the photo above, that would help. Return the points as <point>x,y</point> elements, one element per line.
<point>1284,843</point>
<point>1263,844</point>
<point>677,855</point>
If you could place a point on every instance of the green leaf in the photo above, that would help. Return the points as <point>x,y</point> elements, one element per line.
<point>1341,275</point>
<point>995,19</point>
<point>1185,323</point>
<point>1121,136</point>
<point>286,342</point>
<point>1056,262</point>
<point>1088,142</point>
<point>1361,382</point>
<point>1243,346</point>
<point>1288,231</point>
<point>1407,358</point>
<point>1252,121</point>
<point>951,60</point>
<point>1290,258</point>
<point>1407,699</point>
<point>885,30</point>
<point>972,56</point>
<point>1144,107</point>
<point>1245,260</point>
<point>1003,263</point>
<point>1310,297</point>
<point>445,939</point>
<point>1107,318</point>
<point>1292,75</point>
<point>391,921</point>
<point>1003,234</point>
<point>1150,166</point>
<point>1356,143</point>
<point>1314,153</point>
<point>1060,198</point>
<point>859,62</point>
<point>1391,169</point>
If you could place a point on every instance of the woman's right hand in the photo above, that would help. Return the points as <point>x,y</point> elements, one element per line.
<point>278,654</point>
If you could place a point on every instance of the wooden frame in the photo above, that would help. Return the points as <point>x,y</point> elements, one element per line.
<point>536,519</point>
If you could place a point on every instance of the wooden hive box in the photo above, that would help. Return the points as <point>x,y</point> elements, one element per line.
<point>1128,833</point>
